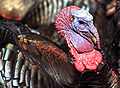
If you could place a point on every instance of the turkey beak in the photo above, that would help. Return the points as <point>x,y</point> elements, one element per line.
<point>92,37</point>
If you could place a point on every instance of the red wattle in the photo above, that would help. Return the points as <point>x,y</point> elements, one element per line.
<point>89,60</point>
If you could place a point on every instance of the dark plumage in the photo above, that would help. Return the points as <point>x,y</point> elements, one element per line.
<point>84,67</point>
<point>112,40</point>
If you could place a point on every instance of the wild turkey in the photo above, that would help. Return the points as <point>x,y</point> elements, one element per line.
<point>82,67</point>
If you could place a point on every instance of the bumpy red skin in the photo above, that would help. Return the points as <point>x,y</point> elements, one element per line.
<point>89,59</point>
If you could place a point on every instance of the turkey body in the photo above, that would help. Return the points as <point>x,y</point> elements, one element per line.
<point>25,69</point>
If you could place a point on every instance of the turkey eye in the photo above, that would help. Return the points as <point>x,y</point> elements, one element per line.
<point>81,22</point>
<point>72,19</point>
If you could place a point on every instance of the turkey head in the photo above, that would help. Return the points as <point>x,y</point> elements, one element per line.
<point>77,28</point>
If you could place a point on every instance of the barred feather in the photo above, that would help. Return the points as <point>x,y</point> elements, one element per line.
<point>15,71</point>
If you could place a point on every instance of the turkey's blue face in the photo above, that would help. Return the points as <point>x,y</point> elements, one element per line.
<point>81,20</point>
<point>85,31</point>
